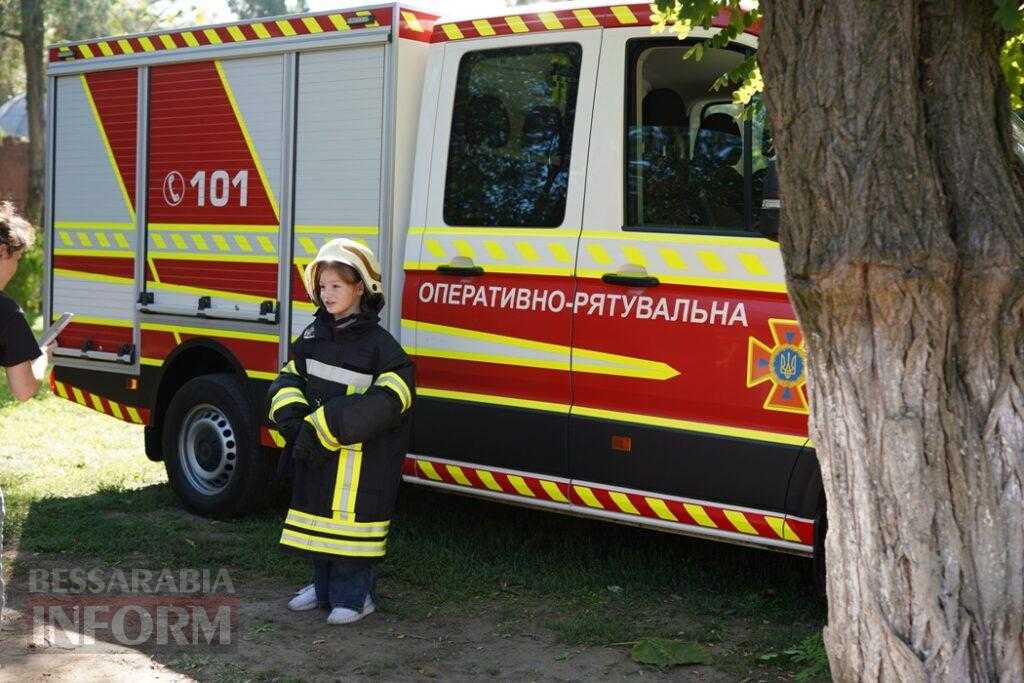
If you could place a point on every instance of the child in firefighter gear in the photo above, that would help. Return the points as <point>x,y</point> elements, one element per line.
<point>343,404</point>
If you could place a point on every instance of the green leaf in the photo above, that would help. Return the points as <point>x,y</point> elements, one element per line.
<point>664,653</point>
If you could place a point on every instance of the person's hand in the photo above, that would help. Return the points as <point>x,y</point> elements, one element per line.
<point>306,448</point>
<point>48,352</point>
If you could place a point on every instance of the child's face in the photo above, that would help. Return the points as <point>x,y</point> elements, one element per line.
<point>340,297</point>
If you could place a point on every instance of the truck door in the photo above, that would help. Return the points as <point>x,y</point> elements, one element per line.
<point>95,236</point>
<point>493,286</point>
<point>708,400</point>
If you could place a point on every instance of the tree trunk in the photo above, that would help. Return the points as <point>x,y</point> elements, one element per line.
<point>903,239</point>
<point>32,46</point>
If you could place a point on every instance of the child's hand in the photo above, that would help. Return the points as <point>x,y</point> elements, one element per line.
<point>306,448</point>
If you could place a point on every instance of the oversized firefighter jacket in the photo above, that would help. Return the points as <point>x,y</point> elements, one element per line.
<point>344,405</point>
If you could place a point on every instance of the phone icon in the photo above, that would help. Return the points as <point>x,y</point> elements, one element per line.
<point>174,188</point>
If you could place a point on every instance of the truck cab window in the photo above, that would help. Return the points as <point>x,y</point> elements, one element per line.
<point>684,141</point>
<point>511,136</point>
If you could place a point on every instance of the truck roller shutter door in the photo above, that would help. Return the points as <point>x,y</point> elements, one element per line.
<point>95,237</point>
<point>339,123</point>
<point>215,168</point>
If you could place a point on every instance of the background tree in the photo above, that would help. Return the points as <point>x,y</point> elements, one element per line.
<point>903,241</point>
<point>30,25</point>
<point>252,9</point>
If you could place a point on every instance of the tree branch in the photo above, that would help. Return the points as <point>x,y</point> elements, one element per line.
<point>12,36</point>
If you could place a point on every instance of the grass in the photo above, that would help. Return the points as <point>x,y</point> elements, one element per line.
<point>79,485</point>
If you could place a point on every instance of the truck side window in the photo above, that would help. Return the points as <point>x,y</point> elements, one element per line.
<point>684,140</point>
<point>511,137</point>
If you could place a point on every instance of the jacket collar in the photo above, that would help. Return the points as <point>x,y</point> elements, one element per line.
<point>325,326</point>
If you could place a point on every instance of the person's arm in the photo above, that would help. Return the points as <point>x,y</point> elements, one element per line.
<point>20,354</point>
<point>24,378</point>
<point>288,404</point>
<point>361,417</point>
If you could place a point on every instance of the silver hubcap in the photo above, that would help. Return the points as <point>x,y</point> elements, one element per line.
<point>207,444</point>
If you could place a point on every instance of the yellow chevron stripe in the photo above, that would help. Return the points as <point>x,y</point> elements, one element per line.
<point>483,27</point>
<point>554,493</point>
<point>79,398</point>
<point>61,391</point>
<point>699,515</point>
<point>86,51</point>
<point>520,485</point>
<point>488,479</point>
<point>622,500</point>
<point>411,21</point>
<point>458,475</point>
<point>517,25</point>
<point>586,18</point>
<point>134,415</point>
<point>789,534</point>
<point>312,25</point>
<point>428,469</point>
<point>168,42</point>
<point>286,27</point>
<point>115,410</point>
<point>260,30</point>
<point>236,34</point>
<point>452,31</point>
<point>212,36</point>
<point>105,49</point>
<point>550,21</point>
<point>739,520</point>
<point>776,524</point>
<point>97,403</point>
<point>189,39</point>
<point>660,509</point>
<point>339,22</point>
<point>587,496</point>
<point>624,14</point>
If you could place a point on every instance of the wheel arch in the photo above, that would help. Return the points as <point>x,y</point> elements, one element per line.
<point>194,358</point>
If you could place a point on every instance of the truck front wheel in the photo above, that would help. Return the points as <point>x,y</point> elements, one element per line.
<point>211,447</point>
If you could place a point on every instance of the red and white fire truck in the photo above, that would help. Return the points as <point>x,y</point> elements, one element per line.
<point>567,215</point>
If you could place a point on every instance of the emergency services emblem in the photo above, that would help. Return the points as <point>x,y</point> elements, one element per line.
<point>784,365</point>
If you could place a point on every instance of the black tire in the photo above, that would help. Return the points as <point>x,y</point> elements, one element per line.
<point>211,447</point>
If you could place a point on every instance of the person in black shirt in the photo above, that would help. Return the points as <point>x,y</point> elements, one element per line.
<point>20,355</point>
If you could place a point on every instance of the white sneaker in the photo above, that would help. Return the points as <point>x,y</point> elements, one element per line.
<point>344,615</point>
<point>305,599</point>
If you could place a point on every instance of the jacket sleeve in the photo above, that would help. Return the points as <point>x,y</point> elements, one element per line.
<point>361,417</point>
<point>287,394</point>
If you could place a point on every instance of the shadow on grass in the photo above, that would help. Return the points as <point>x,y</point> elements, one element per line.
<point>591,583</point>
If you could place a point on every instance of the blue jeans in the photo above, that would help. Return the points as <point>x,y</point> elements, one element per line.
<point>343,583</point>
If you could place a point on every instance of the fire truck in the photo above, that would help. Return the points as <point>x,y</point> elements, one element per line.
<point>570,220</point>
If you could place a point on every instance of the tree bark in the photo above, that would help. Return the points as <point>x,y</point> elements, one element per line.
<point>32,39</point>
<point>903,239</point>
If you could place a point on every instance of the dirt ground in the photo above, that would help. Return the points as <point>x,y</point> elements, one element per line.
<point>274,644</point>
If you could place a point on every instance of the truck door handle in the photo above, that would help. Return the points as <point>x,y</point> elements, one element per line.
<point>461,265</point>
<point>630,280</point>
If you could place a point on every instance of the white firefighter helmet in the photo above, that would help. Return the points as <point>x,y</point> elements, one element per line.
<point>351,253</point>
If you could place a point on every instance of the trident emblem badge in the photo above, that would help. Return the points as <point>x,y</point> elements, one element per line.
<point>783,365</point>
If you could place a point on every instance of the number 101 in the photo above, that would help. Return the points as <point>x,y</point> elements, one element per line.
<point>220,192</point>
